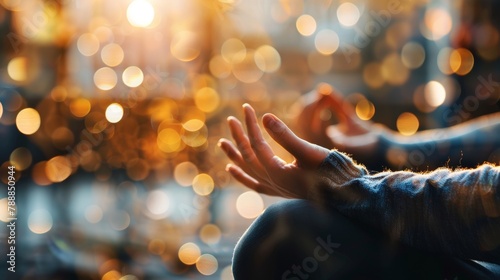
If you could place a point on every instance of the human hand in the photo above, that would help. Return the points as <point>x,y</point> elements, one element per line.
<point>257,167</point>
<point>351,134</point>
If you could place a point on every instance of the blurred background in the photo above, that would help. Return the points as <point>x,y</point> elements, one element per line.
<point>111,111</point>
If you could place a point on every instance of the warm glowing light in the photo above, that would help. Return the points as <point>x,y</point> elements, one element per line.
<point>158,203</point>
<point>88,44</point>
<point>365,109</point>
<point>1,110</point>
<point>140,13</point>
<point>207,99</point>
<point>267,59</point>
<point>434,93</point>
<point>247,70</point>
<point>112,275</point>
<point>156,246</point>
<point>39,174</point>
<point>444,60</point>
<point>185,46</point>
<point>219,67</point>
<point>93,214</point>
<point>18,69</point>
<point>227,273</point>
<point>79,107</point>
<point>189,253</point>
<point>438,23</point>
<point>28,121</point>
<point>138,169</point>
<point>327,41</point>
<point>40,221</point>
<point>372,75</point>
<point>169,140</point>
<point>210,234</point>
<point>407,124</point>
<point>306,25</point>
<point>133,76</point>
<point>207,264</point>
<point>193,125</point>
<point>58,169</point>
<point>249,204</point>
<point>4,207</point>
<point>233,50</point>
<point>203,184</point>
<point>105,78</point>
<point>185,172</point>
<point>461,61</point>
<point>112,55</point>
<point>21,158</point>
<point>348,14</point>
<point>393,70</point>
<point>114,112</point>
<point>413,55</point>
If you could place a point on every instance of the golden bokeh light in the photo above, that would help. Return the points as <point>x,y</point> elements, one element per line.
<point>58,169</point>
<point>138,169</point>
<point>140,13</point>
<point>193,125</point>
<point>393,70</point>
<point>114,113</point>
<point>444,59</point>
<point>133,76</point>
<point>1,110</point>
<point>267,58</point>
<point>80,107</point>
<point>365,109</point>
<point>203,184</point>
<point>247,70</point>
<point>219,67</point>
<point>372,75</point>
<point>348,14</point>
<point>185,172</point>
<point>93,214</point>
<point>437,23</point>
<point>40,221</point>
<point>88,44</point>
<point>207,264</point>
<point>156,246</point>
<point>105,78</point>
<point>112,275</point>
<point>18,69</point>
<point>21,158</point>
<point>327,41</point>
<point>227,273</point>
<point>207,99</point>
<point>233,51</point>
<point>4,207</point>
<point>249,204</point>
<point>434,93</point>
<point>407,124</point>
<point>461,61</point>
<point>112,55</point>
<point>39,174</point>
<point>62,137</point>
<point>210,234</point>
<point>306,25</point>
<point>413,55</point>
<point>59,93</point>
<point>169,140</point>
<point>189,253</point>
<point>28,121</point>
<point>185,46</point>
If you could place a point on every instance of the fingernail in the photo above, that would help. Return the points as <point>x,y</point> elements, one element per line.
<point>272,123</point>
<point>219,144</point>
<point>228,166</point>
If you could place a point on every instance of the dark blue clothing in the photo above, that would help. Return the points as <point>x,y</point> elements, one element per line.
<point>392,225</point>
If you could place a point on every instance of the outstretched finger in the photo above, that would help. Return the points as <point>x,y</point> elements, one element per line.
<point>306,153</point>
<point>259,145</point>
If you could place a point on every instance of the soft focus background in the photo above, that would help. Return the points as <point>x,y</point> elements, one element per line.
<point>111,112</point>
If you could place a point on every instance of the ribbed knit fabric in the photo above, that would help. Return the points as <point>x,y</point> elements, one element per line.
<point>444,211</point>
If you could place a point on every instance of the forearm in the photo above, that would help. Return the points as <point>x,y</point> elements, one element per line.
<point>449,212</point>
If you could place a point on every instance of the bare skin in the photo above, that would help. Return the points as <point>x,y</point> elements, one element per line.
<point>255,164</point>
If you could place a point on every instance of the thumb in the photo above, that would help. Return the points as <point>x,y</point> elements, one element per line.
<point>306,153</point>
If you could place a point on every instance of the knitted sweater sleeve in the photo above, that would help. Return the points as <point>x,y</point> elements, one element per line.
<point>451,212</point>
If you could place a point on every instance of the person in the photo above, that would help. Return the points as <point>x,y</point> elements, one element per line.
<point>378,147</point>
<point>341,222</point>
